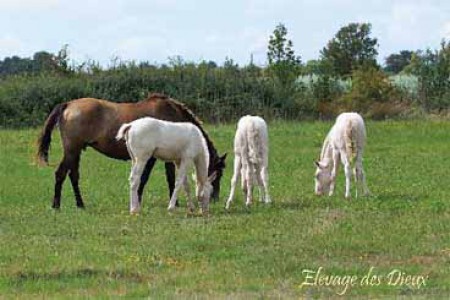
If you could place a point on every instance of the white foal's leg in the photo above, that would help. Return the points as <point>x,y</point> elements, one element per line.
<point>135,179</point>
<point>264,175</point>
<point>334,171</point>
<point>348,173</point>
<point>234,179</point>
<point>360,175</point>
<point>357,182</point>
<point>243,177</point>
<point>260,183</point>
<point>249,181</point>
<point>182,169</point>
<point>204,199</point>
<point>187,189</point>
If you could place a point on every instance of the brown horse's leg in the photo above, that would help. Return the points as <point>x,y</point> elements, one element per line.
<point>144,177</point>
<point>170,177</point>
<point>69,164</point>
<point>74,175</point>
<point>60,176</point>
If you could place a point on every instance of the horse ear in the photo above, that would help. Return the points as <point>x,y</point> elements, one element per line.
<point>320,165</point>
<point>220,163</point>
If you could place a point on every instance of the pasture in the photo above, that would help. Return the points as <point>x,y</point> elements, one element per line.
<point>265,252</point>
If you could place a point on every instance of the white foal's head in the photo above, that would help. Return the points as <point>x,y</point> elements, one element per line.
<point>322,178</point>
<point>204,193</point>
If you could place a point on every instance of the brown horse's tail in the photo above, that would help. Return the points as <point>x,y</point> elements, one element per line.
<point>46,135</point>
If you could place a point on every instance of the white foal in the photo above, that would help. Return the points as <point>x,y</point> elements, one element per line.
<point>346,139</point>
<point>181,143</point>
<point>251,160</point>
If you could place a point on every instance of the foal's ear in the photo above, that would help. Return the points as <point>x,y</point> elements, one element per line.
<point>320,165</point>
<point>220,163</point>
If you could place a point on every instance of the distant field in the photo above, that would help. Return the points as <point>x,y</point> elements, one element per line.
<point>103,251</point>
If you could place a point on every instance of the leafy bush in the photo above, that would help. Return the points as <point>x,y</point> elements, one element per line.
<point>371,94</point>
<point>433,71</point>
<point>407,84</point>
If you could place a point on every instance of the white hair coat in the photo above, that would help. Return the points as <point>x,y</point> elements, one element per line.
<point>251,161</point>
<point>345,141</point>
<point>181,143</point>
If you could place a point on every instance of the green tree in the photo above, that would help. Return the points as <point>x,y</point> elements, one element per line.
<point>62,59</point>
<point>433,69</point>
<point>283,63</point>
<point>312,67</point>
<point>396,62</point>
<point>44,61</point>
<point>15,65</point>
<point>351,48</point>
<point>371,94</point>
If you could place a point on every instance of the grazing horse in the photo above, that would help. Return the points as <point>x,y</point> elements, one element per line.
<point>251,161</point>
<point>345,140</point>
<point>181,143</point>
<point>95,122</point>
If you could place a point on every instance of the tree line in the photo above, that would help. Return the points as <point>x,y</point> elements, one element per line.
<point>346,76</point>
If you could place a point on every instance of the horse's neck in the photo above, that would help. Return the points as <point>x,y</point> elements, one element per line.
<point>212,152</point>
<point>326,153</point>
<point>190,116</point>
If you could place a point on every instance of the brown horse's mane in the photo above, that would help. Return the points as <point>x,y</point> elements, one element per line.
<point>189,114</point>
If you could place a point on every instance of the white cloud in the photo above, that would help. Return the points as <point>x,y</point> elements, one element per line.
<point>141,47</point>
<point>212,30</point>
<point>10,45</point>
<point>255,42</point>
<point>414,24</point>
<point>257,8</point>
<point>446,31</point>
<point>406,15</point>
<point>28,4</point>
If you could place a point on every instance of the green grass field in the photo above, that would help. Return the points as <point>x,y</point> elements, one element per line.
<point>265,252</point>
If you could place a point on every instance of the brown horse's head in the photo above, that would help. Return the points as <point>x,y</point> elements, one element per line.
<point>217,165</point>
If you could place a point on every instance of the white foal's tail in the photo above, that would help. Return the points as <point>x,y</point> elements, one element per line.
<point>121,134</point>
<point>254,144</point>
<point>350,140</point>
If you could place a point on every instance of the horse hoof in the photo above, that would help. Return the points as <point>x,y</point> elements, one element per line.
<point>134,212</point>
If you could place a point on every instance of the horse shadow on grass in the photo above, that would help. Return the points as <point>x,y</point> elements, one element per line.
<point>22,278</point>
<point>393,196</point>
<point>259,207</point>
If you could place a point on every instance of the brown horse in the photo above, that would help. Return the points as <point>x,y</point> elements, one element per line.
<point>94,122</point>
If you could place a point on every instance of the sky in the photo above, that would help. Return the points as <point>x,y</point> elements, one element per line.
<point>154,30</point>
